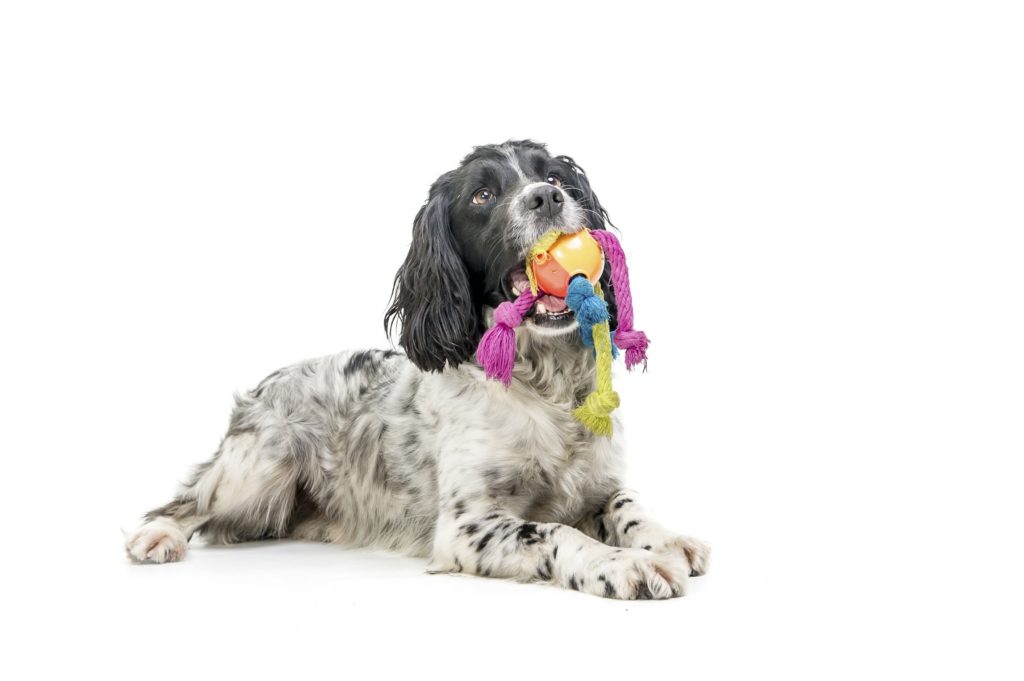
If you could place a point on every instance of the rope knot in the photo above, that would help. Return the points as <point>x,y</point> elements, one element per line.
<point>507,315</point>
<point>635,344</point>
<point>595,412</point>
<point>496,352</point>
<point>588,306</point>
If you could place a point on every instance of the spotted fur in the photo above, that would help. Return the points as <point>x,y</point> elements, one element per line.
<point>380,448</point>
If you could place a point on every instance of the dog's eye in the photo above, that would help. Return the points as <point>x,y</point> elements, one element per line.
<point>483,196</point>
<point>555,180</point>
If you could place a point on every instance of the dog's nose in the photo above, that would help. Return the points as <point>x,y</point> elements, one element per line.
<point>547,199</point>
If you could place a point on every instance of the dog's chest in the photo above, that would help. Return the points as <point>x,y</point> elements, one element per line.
<point>519,446</point>
<point>555,468</point>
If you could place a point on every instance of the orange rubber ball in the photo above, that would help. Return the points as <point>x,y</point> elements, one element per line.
<point>570,255</point>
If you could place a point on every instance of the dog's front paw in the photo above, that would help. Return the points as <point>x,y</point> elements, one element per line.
<point>697,553</point>
<point>159,541</point>
<point>635,574</point>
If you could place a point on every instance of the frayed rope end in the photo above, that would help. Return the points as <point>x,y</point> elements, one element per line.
<point>496,352</point>
<point>635,344</point>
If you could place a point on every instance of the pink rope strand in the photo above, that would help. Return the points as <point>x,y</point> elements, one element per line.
<point>634,342</point>
<point>496,352</point>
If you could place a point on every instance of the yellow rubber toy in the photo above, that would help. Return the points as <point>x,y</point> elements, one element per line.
<point>552,266</point>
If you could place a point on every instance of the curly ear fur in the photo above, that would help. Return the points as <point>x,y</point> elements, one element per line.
<point>431,298</point>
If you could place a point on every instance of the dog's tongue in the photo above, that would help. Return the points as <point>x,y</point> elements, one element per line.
<point>552,303</point>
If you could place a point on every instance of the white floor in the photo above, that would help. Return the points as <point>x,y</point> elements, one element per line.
<point>295,610</point>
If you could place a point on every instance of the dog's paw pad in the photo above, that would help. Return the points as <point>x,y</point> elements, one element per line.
<point>159,541</point>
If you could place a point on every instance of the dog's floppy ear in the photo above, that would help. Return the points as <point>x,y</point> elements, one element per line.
<point>431,298</point>
<point>578,187</point>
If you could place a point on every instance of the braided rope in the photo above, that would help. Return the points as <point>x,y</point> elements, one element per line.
<point>595,412</point>
<point>633,341</point>
<point>496,352</point>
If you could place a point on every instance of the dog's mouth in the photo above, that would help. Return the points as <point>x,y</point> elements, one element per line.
<point>549,310</point>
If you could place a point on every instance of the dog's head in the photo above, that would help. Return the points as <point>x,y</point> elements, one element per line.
<point>469,244</point>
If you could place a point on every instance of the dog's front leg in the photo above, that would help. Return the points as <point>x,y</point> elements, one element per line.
<point>621,521</point>
<point>478,537</point>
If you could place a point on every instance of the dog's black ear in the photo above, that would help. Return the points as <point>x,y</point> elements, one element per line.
<point>578,187</point>
<point>431,299</point>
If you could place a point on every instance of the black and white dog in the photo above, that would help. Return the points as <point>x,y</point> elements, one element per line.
<point>418,452</point>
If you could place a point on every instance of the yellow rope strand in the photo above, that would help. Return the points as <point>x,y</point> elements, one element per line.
<point>541,246</point>
<point>595,412</point>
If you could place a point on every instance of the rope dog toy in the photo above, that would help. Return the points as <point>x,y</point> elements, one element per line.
<point>569,265</point>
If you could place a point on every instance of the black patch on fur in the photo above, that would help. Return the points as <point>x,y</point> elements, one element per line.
<point>572,583</point>
<point>528,533</point>
<point>358,362</point>
<point>630,525</point>
<point>486,539</point>
<point>609,590</point>
<point>621,502</point>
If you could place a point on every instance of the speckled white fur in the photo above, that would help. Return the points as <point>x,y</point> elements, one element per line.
<point>421,453</point>
<point>365,449</point>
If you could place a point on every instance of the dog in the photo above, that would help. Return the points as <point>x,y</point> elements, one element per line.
<point>419,453</point>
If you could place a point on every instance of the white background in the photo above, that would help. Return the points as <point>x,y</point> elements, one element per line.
<point>822,207</point>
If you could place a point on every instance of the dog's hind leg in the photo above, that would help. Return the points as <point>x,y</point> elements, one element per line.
<point>248,490</point>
